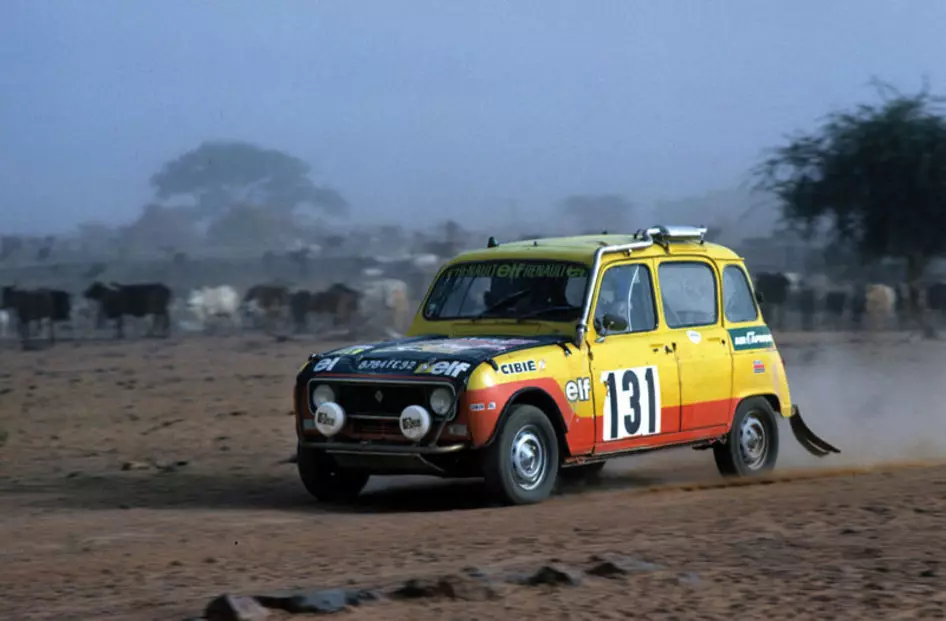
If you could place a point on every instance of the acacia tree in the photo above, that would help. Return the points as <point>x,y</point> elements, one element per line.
<point>876,176</point>
<point>217,175</point>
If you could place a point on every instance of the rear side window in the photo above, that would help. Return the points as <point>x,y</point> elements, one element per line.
<point>738,301</point>
<point>688,294</point>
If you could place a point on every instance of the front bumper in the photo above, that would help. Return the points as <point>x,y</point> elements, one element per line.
<point>444,460</point>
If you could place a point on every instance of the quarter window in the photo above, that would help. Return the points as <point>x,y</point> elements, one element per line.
<point>688,294</point>
<point>737,296</point>
<point>626,292</point>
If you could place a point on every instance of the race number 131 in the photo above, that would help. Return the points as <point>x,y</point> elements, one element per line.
<point>632,404</point>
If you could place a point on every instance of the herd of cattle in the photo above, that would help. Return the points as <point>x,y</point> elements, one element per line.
<point>819,304</point>
<point>36,313</point>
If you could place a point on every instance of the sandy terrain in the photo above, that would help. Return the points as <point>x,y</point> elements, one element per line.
<point>139,480</point>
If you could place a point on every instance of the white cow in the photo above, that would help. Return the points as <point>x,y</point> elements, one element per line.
<point>881,302</point>
<point>389,295</point>
<point>5,321</point>
<point>210,303</point>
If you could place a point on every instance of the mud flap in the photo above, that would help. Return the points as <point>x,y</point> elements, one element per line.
<point>806,437</point>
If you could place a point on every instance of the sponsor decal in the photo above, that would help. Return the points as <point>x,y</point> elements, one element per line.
<point>477,407</point>
<point>450,346</point>
<point>758,366</point>
<point>491,405</point>
<point>759,337</point>
<point>578,389</point>
<point>526,366</point>
<point>517,270</point>
<point>386,365</point>
<point>632,404</point>
<point>325,364</point>
<point>444,368</point>
<point>694,336</point>
<point>352,350</point>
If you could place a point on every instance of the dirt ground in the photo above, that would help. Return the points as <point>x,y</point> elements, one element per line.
<point>139,480</point>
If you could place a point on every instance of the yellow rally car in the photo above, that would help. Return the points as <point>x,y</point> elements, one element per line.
<point>532,359</point>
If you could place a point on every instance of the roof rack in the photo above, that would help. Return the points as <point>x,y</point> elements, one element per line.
<point>666,234</point>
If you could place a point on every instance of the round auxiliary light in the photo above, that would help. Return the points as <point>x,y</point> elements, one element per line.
<point>329,418</point>
<point>414,422</point>
<point>441,400</point>
<point>322,393</point>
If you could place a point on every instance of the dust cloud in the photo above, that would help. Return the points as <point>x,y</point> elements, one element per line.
<point>877,397</point>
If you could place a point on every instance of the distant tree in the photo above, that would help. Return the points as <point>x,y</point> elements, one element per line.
<point>598,212</point>
<point>159,229</point>
<point>219,174</point>
<point>876,176</point>
<point>252,227</point>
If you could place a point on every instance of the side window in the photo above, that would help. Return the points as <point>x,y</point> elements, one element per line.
<point>738,302</point>
<point>688,294</point>
<point>627,292</point>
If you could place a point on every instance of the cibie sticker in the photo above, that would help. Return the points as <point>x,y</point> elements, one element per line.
<point>694,336</point>
<point>632,403</point>
<point>325,364</point>
<point>526,366</point>
<point>578,389</point>
<point>477,407</point>
<point>444,368</point>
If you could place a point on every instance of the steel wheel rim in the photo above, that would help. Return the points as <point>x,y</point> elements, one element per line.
<point>529,458</point>
<point>753,442</point>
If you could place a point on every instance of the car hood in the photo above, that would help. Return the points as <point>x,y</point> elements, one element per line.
<point>452,358</point>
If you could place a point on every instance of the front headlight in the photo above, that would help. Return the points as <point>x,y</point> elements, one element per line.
<point>322,393</point>
<point>441,400</point>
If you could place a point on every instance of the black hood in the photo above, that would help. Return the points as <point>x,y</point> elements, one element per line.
<point>452,358</point>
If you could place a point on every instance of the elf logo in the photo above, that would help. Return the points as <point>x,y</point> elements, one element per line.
<point>444,368</point>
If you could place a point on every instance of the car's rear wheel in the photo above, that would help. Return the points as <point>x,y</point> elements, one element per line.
<point>751,447</point>
<point>325,480</point>
<point>521,465</point>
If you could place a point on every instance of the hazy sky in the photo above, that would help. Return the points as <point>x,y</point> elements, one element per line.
<point>427,108</point>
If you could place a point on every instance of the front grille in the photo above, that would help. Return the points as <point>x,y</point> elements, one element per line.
<point>363,398</point>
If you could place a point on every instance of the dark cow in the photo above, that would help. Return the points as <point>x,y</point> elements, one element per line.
<point>808,307</point>
<point>835,303</point>
<point>936,297</point>
<point>774,288</point>
<point>138,300</point>
<point>36,305</point>
<point>270,301</point>
<point>339,301</point>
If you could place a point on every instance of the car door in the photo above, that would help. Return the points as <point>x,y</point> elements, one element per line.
<point>633,368</point>
<point>689,292</point>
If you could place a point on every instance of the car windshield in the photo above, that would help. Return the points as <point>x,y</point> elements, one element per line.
<point>540,290</point>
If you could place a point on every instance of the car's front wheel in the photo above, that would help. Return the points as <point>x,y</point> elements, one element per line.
<point>521,465</point>
<point>752,444</point>
<point>325,480</point>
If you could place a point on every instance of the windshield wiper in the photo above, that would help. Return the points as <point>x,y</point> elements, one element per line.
<point>548,309</point>
<point>509,299</point>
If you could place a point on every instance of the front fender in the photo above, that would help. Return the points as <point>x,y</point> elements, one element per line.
<point>488,407</point>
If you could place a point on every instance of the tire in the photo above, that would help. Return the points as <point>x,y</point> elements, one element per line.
<point>521,465</point>
<point>751,447</point>
<point>325,480</point>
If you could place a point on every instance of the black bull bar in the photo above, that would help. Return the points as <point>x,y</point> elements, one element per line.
<point>807,438</point>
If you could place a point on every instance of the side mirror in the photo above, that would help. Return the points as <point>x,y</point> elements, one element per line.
<point>614,323</point>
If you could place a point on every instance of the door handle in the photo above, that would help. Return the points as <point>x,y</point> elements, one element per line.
<point>666,348</point>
